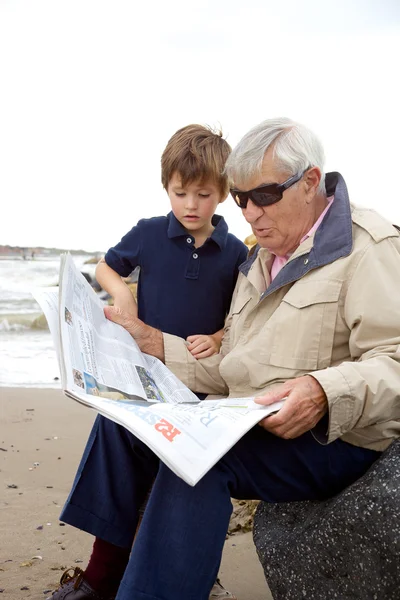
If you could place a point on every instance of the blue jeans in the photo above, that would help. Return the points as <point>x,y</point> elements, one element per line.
<point>178,549</point>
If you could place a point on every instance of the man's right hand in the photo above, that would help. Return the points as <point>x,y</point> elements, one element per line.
<point>125,302</point>
<point>149,339</point>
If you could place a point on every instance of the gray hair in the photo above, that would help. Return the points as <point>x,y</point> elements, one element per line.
<point>295,148</point>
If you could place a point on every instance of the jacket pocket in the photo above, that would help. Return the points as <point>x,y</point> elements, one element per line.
<point>239,303</point>
<point>302,328</point>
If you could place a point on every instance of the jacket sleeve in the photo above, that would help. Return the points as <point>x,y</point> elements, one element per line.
<point>366,390</point>
<point>202,376</point>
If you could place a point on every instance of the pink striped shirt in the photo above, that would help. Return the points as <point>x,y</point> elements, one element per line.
<point>280,261</point>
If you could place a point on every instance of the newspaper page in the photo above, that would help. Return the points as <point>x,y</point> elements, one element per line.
<point>100,357</point>
<point>189,438</point>
<point>102,367</point>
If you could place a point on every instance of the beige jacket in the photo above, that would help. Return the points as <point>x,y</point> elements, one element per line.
<point>333,312</point>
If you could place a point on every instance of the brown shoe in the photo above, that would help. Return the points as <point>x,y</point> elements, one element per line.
<point>218,592</point>
<point>74,587</point>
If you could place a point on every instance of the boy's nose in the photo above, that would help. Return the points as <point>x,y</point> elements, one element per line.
<point>191,201</point>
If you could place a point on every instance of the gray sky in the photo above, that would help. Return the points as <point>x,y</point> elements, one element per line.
<point>91,91</point>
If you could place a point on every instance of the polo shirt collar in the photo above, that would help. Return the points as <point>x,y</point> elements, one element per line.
<point>219,235</point>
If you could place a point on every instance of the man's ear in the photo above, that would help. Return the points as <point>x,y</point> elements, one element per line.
<point>312,180</point>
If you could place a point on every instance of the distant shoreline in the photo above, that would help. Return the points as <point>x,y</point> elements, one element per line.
<point>26,252</point>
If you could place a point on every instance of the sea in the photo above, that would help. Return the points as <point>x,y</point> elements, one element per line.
<point>27,356</point>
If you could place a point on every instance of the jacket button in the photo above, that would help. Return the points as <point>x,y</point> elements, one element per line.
<point>195,255</point>
<point>306,261</point>
<point>189,240</point>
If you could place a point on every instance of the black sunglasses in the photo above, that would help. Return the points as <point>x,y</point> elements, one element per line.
<point>265,195</point>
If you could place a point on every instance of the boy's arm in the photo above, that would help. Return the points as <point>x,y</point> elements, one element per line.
<point>116,287</point>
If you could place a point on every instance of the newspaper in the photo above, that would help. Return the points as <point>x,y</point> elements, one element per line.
<point>102,367</point>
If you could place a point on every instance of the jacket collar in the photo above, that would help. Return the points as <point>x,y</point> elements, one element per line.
<point>219,235</point>
<point>332,240</point>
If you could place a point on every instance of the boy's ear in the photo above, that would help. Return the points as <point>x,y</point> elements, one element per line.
<point>222,199</point>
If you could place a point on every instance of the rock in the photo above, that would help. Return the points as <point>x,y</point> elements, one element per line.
<point>242,516</point>
<point>133,288</point>
<point>345,547</point>
<point>250,241</point>
<point>92,261</point>
<point>40,323</point>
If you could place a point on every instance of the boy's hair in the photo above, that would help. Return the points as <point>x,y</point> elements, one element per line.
<point>196,153</point>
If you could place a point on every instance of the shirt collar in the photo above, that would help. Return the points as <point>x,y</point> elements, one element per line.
<point>219,235</point>
<point>282,260</point>
<point>319,220</point>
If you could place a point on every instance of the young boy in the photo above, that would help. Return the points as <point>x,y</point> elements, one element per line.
<point>188,260</point>
<point>188,270</point>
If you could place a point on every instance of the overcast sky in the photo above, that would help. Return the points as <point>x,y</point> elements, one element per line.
<point>91,91</point>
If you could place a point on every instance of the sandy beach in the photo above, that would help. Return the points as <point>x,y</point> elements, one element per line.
<point>42,435</point>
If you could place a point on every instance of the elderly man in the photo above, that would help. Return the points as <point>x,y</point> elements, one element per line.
<point>315,319</point>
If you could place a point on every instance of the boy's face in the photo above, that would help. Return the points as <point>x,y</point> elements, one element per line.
<point>194,205</point>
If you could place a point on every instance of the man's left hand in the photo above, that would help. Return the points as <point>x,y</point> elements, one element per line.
<point>305,405</point>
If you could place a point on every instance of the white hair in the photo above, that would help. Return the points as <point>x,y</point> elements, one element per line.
<point>295,148</point>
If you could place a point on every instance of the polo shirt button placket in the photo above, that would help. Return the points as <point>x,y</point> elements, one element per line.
<point>193,267</point>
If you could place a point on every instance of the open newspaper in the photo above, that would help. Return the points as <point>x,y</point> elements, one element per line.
<point>102,367</point>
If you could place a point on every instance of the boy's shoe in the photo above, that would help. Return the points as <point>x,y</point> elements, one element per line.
<point>74,587</point>
<point>218,592</point>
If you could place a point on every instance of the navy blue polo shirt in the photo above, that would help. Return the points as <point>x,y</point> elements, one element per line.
<point>182,290</point>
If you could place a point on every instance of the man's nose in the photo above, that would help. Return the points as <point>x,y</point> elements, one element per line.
<point>252,212</point>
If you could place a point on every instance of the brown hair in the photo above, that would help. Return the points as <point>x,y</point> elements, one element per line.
<point>196,153</point>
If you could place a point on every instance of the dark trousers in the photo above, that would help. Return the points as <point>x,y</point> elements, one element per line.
<point>178,549</point>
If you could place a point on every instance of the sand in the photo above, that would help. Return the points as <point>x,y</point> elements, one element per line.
<point>42,435</point>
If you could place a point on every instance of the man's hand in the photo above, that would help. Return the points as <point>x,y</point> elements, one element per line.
<point>305,405</point>
<point>149,339</point>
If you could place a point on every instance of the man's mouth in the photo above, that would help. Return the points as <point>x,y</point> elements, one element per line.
<point>260,232</point>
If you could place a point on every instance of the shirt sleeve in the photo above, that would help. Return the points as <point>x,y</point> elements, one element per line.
<point>127,254</point>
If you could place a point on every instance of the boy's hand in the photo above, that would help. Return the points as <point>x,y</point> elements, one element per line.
<point>202,346</point>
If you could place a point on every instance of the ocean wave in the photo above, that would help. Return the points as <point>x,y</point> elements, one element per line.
<point>22,322</point>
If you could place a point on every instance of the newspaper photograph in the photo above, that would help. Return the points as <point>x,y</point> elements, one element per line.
<point>102,367</point>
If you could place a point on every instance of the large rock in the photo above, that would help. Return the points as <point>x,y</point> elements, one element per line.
<point>347,547</point>
<point>242,517</point>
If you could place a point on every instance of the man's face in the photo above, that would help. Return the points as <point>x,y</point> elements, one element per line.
<point>195,204</point>
<point>280,227</point>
